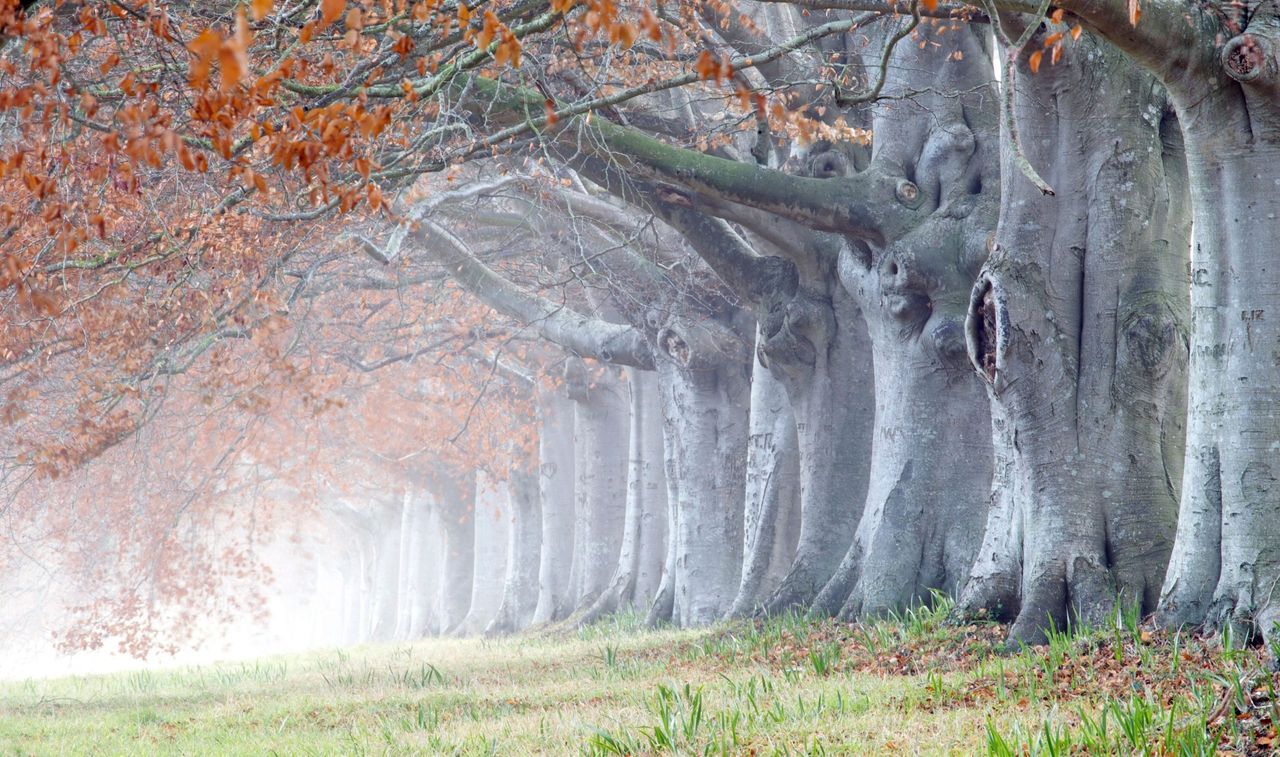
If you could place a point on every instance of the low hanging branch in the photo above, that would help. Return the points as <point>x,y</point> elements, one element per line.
<point>580,334</point>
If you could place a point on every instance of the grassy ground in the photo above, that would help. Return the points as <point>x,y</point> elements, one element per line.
<point>908,685</point>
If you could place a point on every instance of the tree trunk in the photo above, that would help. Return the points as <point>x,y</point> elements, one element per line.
<point>644,508</point>
<point>663,607</point>
<point>1078,325</point>
<point>1226,560</point>
<point>492,522</point>
<point>772,493</point>
<point>455,503</point>
<point>821,355</point>
<point>931,474</point>
<point>524,541</point>
<point>416,564</point>
<point>918,524</point>
<point>386,574</point>
<point>653,493</point>
<point>555,493</point>
<point>704,376</point>
<point>427,564</point>
<point>601,440</point>
<point>407,565</point>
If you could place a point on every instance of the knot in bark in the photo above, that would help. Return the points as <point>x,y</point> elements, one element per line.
<point>908,194</point>
<point>1249,57</point>
<point>653,318</point>
<point>905,284</point>
<point>675,346</point>
<point>790,330</point>
<point>1150,335</point>
<point>948,341</point>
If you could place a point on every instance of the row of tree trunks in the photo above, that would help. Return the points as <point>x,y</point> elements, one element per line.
<point>856,472</point>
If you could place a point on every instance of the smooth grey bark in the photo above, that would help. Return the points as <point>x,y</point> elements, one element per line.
<point>663,608</point>
<point>492,522</point>
<point>455,513</point>
<point>419,563</point>
<point>930,464</point>
<point>601,445</point>
<point>1226,560</point>
<point>1078,324</point>
<point>555,493</point>
<point>524,542</point>
<point>704,374</point>
<point>771,515</point>
<point>644,520</point>
<point>652,482</point>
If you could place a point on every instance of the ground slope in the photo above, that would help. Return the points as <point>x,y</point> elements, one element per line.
<point>909,685</point>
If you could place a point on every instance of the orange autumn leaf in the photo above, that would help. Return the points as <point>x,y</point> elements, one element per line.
<point>233,55</point>
<point>260,9</point>
<point>331,10</point>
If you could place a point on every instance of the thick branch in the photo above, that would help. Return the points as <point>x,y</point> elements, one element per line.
<point>714,241</point>
<point>580,334</point>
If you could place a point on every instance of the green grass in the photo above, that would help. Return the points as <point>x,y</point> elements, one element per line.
<point>791,686</point>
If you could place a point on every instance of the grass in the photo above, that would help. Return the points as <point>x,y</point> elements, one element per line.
<point>911,684</point>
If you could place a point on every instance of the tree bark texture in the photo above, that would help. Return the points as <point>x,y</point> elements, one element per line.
<point>1226,561</point>
<point>704,374</point>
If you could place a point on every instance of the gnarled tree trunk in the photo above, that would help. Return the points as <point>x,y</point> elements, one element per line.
<point>819,350</point>
<point>931,452</point>
<point>1078,325</point>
